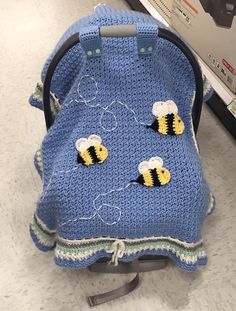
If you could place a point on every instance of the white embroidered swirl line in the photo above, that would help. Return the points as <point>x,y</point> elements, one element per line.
<point>105,110</point>
<point>97,209</point>
<point>84,100</point>
<point>51,178</point>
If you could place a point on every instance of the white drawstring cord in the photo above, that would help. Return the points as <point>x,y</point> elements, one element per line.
<point>118,249</point>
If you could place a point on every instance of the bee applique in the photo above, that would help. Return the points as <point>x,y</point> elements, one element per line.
<point>167,121</point>
<point>152,173</point>
<point>91,150</point>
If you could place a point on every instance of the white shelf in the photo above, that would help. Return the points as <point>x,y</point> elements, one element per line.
<point>153,12</point>
<point>221,89</point>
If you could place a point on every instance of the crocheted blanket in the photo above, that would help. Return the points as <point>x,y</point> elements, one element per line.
<point>121,170</point>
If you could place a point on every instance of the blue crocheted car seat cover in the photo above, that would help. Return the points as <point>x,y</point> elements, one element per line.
<point>87,212</point>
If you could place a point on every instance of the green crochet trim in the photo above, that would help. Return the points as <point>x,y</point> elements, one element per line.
<point>54,102</point>
<point>45,236</point>
<point>78,250</point>
<point>39,159</point>
<point>81,251</point>
<point>38,92</point>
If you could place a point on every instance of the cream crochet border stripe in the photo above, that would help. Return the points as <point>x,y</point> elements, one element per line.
<point>77,250</point>
<point>42,225</point>
<point>42,237</point>
<point>74,254</point>
<point>81,243</point>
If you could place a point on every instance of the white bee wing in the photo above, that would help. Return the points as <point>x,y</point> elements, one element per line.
<point>82,144</point>
<point>143,167</point>
<point>94,140</point>
<point>172,107</point>
<point>160,109</point>
<point>155,162</point>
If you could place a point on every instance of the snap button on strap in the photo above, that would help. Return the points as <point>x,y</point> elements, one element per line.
<point>91,41</point>
<point>147,36</point>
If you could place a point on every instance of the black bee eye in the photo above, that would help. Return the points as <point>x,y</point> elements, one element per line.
<point>163,172</point>
<point>100,149</point>
<point>179,121</point>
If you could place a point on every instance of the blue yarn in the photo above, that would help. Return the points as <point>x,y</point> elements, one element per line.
<point>176,210</point>
<point>36,103</point>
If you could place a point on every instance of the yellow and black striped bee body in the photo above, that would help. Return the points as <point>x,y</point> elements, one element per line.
<point>91,150</point>
<point>150,178</point>
<point>167,121</point>
<point>152,173</point>
<point>94,154</point>
<point>170,124</point>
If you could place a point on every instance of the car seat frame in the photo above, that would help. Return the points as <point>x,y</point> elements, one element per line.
<point>144,263</point>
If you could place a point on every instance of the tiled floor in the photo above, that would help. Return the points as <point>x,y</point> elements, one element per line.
<point>29,280</point>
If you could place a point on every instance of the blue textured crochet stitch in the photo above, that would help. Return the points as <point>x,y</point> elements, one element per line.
<point>112,96</point>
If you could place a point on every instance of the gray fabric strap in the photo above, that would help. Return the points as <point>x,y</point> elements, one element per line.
<point>128,267</point>
<point>116,293</point>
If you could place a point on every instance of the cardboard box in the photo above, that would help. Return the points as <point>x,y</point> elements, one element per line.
<point>209,26</point>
